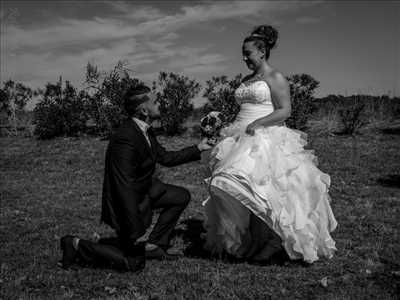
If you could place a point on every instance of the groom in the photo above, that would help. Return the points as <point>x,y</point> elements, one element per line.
<point>131,193</point>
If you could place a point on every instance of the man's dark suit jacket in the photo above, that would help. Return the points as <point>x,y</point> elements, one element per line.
<point>129,167</point>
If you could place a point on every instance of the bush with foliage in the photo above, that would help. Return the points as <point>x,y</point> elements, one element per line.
<point>4,102</point>
<point>174,93</point>
<point>355,111</point>
<point>352,115</point>
<point>14,97</point>
<point>220,92</point>
<point>60,112</point>
<point>105,96</point>
<point>302,88</point>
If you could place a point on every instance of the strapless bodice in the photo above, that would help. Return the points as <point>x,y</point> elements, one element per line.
<point>255,101</point>
<point>250,112</point>
<point>257,92</point>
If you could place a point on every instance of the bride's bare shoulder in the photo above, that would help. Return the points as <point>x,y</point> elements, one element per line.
<point>275,77</point>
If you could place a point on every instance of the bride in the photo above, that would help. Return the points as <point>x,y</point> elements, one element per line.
<point>266,193</point>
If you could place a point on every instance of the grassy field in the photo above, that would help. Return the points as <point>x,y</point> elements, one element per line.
<point>51,188</point>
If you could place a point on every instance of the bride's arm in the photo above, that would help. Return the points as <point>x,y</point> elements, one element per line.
<point>280,93</point>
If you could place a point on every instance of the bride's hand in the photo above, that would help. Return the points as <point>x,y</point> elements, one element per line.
<point>251,128</point>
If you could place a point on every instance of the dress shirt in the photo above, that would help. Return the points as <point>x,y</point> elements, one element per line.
<point>143,127</point>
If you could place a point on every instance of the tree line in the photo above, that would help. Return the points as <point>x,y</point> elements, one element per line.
<point>62,110</point>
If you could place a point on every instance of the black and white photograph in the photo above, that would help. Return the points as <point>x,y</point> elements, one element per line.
<point>199,149</point>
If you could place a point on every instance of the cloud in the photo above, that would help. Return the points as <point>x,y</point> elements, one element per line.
<point>151,22</point>
<point>8,16</point>
<point>193,63</point>
<point>141,34</point>
<point>66,32</point>
<point>137,13</point>
<point>308,20</point>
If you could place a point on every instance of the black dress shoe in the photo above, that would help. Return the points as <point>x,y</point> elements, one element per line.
<point>134,250</point>
<point>159,254</point>
<point>135,257</point>
<point>135,264</point>
<point>69,252</point>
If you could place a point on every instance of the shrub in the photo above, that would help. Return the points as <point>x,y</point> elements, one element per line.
<point>174,92</point>
<point>352,115</point>
<point>302,88</point>
<point>220,92</point>
<point>60,112</point>
<point>47,116</point>
<point>105,102</point>
<point>13,115</point>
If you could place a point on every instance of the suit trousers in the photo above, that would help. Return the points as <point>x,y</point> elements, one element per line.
<point>172,200</point>
<point>119,251</point>
<point>111,252</point>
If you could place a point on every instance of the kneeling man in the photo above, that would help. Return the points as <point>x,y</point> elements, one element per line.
<point>131,193</point>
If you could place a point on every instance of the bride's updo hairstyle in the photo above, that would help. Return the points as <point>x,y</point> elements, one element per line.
<point>264,37</point>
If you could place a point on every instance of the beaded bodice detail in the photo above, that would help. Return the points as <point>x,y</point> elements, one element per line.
<point>254,99</point>
<point>256,92</point>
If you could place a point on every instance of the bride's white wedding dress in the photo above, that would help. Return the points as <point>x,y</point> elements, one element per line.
<point>271,175</point>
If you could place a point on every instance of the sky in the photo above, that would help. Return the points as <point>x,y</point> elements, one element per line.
<point>350,47</point>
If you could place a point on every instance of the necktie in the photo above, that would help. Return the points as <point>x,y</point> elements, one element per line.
<point>147,135</point>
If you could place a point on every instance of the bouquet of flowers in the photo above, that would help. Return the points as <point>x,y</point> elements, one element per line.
<point>211,125</point>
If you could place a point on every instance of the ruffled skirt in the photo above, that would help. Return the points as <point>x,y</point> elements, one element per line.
<point>272,176</point>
